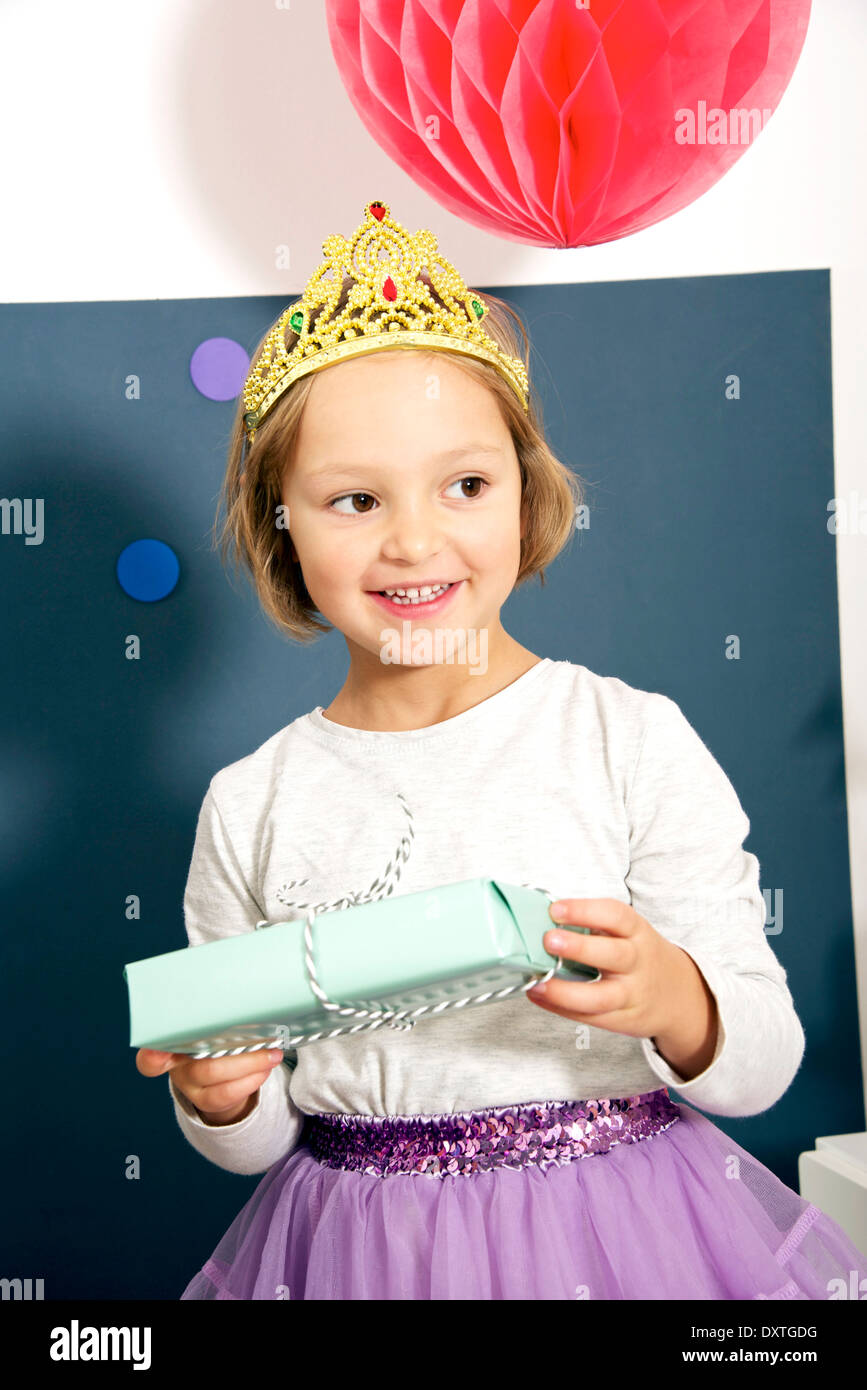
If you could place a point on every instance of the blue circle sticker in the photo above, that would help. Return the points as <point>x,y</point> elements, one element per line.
<point>147,570</point>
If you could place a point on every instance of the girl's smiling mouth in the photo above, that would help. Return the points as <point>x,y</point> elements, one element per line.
<point>415,602</point>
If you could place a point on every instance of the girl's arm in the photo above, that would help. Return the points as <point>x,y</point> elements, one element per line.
<point>691,878</point>
<point>218,903</point>
<point>690,1044</point>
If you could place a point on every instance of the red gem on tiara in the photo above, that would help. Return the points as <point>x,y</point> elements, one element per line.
<point>378,210</point>
<point>389,289</point>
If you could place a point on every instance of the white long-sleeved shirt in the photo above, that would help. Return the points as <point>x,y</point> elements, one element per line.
<point>564,779</point>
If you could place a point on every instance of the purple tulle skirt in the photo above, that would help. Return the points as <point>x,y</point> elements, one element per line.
<point>629,1198</point>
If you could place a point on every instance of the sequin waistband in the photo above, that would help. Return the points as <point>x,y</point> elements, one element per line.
<point>475,1141</point>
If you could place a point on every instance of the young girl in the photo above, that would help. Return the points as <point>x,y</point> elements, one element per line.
<point>529,1148</point>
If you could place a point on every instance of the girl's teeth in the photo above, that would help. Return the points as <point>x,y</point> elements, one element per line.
<point>415,596</point>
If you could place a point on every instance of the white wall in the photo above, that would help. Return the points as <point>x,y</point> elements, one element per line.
<point>165,150</point>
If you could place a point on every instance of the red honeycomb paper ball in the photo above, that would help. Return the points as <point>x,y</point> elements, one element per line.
<point>551,123</point>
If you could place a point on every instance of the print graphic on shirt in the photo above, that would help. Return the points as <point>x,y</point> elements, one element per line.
<point>381,887</point>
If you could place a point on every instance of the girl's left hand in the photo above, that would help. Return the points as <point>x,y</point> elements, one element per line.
<point>641,970</point>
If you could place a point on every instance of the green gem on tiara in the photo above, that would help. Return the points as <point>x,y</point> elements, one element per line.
<point>478,309</point>
<point>296,323</point>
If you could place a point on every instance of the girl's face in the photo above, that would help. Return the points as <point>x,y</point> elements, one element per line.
<point>404,474</point>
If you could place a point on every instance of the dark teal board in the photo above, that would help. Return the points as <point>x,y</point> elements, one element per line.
<point>708,517</point>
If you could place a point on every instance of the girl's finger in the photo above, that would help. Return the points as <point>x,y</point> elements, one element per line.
<point>607,953</point>
<point>227,1093</point>
<point>150,1062</point>
<point>211,1071</point>
<point>589,998</point>
<point>604,914</point>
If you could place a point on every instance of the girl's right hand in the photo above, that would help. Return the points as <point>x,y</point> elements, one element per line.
<point>223,1089</point>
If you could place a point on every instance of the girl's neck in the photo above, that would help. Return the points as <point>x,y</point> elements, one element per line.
<point>392,699</point>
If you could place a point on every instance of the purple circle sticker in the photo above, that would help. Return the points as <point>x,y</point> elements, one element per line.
<point>219,368</point>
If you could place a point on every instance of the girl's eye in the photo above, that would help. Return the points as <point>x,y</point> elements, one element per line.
<point>350,496</point>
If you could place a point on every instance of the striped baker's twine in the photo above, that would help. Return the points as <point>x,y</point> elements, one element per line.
<point>381,887</point>
<point>376,1017</point>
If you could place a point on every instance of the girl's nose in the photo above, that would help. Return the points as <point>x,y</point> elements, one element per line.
<point>413,535</point>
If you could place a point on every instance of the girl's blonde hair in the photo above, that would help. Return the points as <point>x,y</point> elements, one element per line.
<point>251,491</point>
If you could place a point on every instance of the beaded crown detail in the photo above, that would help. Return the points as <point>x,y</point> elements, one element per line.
<point>389,306</point>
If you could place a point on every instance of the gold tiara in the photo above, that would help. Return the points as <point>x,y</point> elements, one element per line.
<point>389,306</point>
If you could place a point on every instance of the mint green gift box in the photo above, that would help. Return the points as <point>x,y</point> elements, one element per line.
<point>398,953</point>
